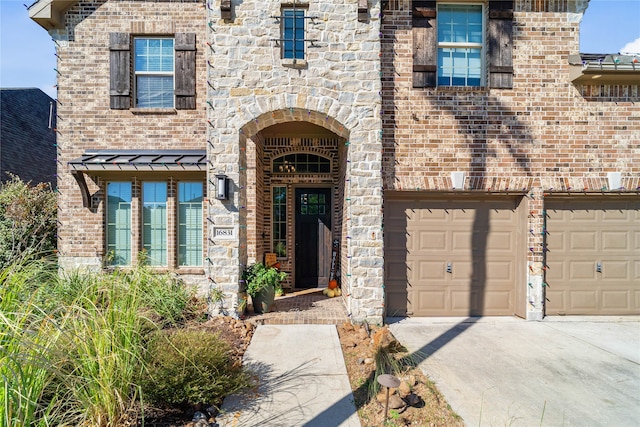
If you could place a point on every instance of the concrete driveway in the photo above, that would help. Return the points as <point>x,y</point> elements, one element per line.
<point>563,371</point>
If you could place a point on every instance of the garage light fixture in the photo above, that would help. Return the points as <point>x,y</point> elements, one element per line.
<point>457,180</point>
<point>615,180</point>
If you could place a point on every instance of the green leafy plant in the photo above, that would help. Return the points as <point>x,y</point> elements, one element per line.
<point>259,277</point>
<point>190,367</point>
<point>27,220</point>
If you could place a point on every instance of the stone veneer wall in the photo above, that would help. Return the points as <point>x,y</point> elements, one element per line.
<point>251,88</point>
<point>86,121</point>
<point>544,135</point>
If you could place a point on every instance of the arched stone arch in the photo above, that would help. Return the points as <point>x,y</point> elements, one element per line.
<point>270,118</point>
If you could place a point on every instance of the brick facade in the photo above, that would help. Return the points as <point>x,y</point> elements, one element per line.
<point>88,123</point>
<point>545,135</point>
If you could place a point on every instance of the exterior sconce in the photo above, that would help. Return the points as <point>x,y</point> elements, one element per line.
<point>225,10</point>
<point>222,187</point>
<point>457,180</point>
<point>615,180</point>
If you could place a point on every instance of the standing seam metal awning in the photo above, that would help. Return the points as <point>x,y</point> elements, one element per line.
<point>94,162</point>
<point>143,160</point>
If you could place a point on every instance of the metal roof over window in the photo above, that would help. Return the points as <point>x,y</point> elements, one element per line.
<point>140,160</point>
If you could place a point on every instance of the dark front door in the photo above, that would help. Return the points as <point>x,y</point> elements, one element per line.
<point>313,237</point>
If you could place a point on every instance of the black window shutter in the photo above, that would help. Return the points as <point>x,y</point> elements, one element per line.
<point>120,70</point>
<point>425,44</point>
<point>185,71</point>
<point>500,44</point>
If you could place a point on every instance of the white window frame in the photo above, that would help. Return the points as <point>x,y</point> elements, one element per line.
<point>459,45</point>
<point>137,73</point>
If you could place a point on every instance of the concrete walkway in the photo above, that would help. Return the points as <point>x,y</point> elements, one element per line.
<point>302,380</point>
<point>563,371</point>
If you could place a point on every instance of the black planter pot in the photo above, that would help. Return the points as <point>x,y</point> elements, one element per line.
<point>263,300</point>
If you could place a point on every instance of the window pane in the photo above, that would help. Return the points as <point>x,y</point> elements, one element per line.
<point>301,163</point>
<point>155,91</point>
<point>460,23</point>
<point>293,33</point>
<point>279,225</point>
<point>154,55</point>
<point>190,223</point>
<point>459,67</point>
<point>154,222</point>
<point>119,222</point>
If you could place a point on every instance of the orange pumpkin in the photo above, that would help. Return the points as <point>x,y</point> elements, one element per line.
<point>333,284</point>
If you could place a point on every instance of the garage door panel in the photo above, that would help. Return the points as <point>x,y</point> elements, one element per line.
<point>434,270</point>
<point>555,271</point>
<point>461,241</point>
<point>580,270</point>
<point>461,215</point>
<point>582,241</point>
<point>495,300</point>
<point>500,270</point>
<point>431,240</point>
<point>462,302</point>
<point>433,300</point>
<point>616,240</point>
<point>583,233</point>
<point>621,215</point>
<point>461,271</point>
<point>583,301</point>
<point>616,300</point>
<point>616,270</point>
<point>484,266</point>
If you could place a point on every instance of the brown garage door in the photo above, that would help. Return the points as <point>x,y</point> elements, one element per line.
<point>593,256</point>
<point>453,257</point>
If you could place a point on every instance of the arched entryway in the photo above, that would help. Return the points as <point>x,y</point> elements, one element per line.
<point>295,192</point>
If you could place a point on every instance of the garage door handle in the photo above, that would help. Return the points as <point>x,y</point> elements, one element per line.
<point>598,267</point>
<point>449,268</point>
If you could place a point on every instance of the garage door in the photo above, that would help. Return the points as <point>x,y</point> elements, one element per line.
<point>593,256</point>
<point>454,257</point>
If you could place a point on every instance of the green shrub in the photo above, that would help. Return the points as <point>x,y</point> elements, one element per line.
<point>27,220</point>
<point>190,367</point>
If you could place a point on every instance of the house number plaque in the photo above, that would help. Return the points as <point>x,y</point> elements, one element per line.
<point>223,233</point>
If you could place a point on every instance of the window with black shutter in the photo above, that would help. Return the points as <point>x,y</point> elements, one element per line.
<point>163,71</point>
<point>450,46</point>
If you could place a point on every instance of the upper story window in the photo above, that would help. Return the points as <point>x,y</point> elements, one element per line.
<point>154,65</point>
<point>460,45</point>
<point>293,31</point>
<point>463,44</point>
<point>162,70</point>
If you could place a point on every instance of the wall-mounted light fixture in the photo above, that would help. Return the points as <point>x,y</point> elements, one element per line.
<point>615,180</point>
<point>222,187</point>
<point>457,180</point>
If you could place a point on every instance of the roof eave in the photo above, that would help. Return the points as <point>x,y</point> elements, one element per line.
<point>598,75</point>
<point>49,14</point>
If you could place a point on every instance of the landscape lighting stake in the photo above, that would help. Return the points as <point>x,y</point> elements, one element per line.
<point>388,381</point>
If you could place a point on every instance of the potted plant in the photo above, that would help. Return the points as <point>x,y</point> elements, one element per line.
<point>262,283</point>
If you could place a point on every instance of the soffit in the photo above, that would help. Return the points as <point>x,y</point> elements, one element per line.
<point>49,14</point>
<point>598,69</point>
